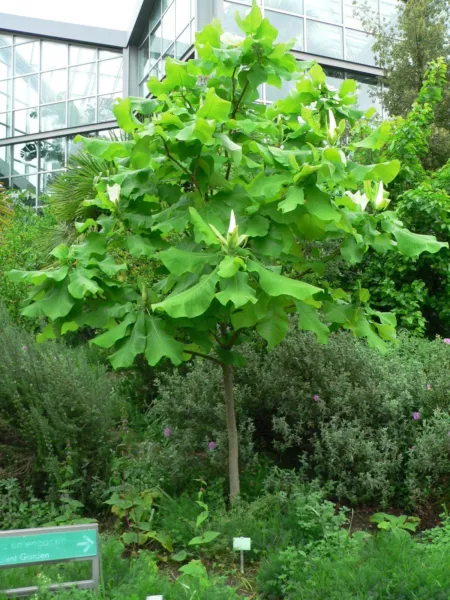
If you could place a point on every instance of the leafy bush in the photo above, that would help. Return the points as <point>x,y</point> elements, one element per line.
<point>57,414</point>
<point>21,509</point>
<point>18,250</point>
<point>341,412</point>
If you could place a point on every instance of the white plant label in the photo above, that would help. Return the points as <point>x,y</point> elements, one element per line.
<point>242,543</point>
<point>154,598</point>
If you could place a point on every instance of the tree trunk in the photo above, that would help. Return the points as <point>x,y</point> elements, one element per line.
<point>233,446</point>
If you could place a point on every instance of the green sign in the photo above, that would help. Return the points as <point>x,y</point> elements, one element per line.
<point>43,547</point>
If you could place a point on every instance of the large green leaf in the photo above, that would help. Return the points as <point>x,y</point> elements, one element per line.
<point>413,244</point>
<point>384,172</point>
<point>116,333</point>
<point>294,197</point>
<point>123,111</point>
<point>81,283</point>
<point>274,326</point>
<point>236,290</point>
<point>193,302</point>
<point>319,204</point>
<point>161,342</point>
<point>104,148</point>
<point>279,285</point>
<point>214,107</point>
<point>308,319</point>
<point>179,262</point>
<point>132,346</point>
<point>58,302</point>
<point>38,277</point>
<point>139,245</point>
<point>378,138</point>
<point>202,231</point>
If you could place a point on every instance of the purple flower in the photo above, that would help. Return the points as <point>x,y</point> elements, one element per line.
<point>167,432</point>
<point>428,386</point>
<point>446,340</point>
<point>412,448</point>
<point>316,397</point>
<point>212,445</point>
<point>416,416</point>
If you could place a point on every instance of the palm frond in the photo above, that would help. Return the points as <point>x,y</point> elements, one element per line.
<point>6,207</point>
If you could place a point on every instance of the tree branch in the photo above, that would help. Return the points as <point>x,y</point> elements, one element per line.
<point>211,358</point>
<point>236,108</point>
<point>310,269</point>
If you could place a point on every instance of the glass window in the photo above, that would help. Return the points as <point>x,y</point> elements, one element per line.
<point>46,180</point>
<point>5,95</point>
<point>5,125</point>
<point>229,17</point>
<point>168,27</point>
<point>26,121</point>
<point>155,16</point>
<point>353,12</point>
<point>169,52</point>
<point>325,10</point>
<point>367,93</point>
<point>274,93</point>
<point>183,15</point>
<point>323,39</point>
<point>25,158</point>
<point>104,54</point>
<point>288,27</point>
<point>83,80</point>
<point>155,46</point>
<point>53,116</point>
<point>144,62</point>
<point>5,62</point>
<point>294,6</point>
<point>389,12</point>
<point>54,55</point>
<point>4,162</point>
<point>110,76</point>
<point>334,77</point>
<point>26,58</point>
<point>81,54</point>
<point>28,182</point>
<point>105,108</point>
<point>183,43</point>
<point>54,86</point>
<point>52,154</point>
<point>359,47</point>
<point>5,40</point>
<point>26,91</point>
<point>82,112</point>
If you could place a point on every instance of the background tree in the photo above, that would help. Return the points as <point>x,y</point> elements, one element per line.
<point>404,50</point>
<point>238,208</point>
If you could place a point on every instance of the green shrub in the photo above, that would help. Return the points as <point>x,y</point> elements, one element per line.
<point>57,415</point>
<point>19,250</point>
<point>341,412</point>
<point>21,509</point>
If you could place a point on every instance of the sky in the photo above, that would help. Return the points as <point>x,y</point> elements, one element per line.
<point>110,14</point>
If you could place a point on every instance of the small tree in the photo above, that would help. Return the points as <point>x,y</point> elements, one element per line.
<point>236,206</point>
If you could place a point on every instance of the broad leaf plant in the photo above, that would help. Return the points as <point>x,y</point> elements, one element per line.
<point>238,207</point>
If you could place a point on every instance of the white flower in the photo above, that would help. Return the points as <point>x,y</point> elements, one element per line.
<point>331,123</point>
<point>232,225</point>
<point>359,199</point>
<point>380,201</point>
<point>230,39</point>
<point>114,192</point>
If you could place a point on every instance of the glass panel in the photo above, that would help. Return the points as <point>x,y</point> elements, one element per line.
<point>273,93</point>
<point>389,12</point>
<point>5,62</point>
<point>46,180</point>
<point>53,116</point>
<point>5,95</point>
<point>21,40</point>
<point>83,80</point>
<point>105,106</point>
<point>367,92</point>
<point>26,121</point>
<point>165,4</point>
<point>5,40</point>
<point>170,52</point>
<point>29,183</point>
<point>323,39</point>
<point>294,6</point>
<point>4,161</point>
<point>110,76</point>
<point>54,55</point>
<point>82,112</point>
<point>168,27</point>
<point>54,86</point>
<point>5,125</point>
<point>229,19</point>
<point>81,54</point>
<point>155,46</point>
<point>183,43</point>
<point>25,158</point>
<point>334,77</point>
<point>359,47</point>
<point>26,91</point>
<point>155,17</point>
<point>144,62</point>
<point>352,14</point>
<point>102,54</point>
<point>26,58</point>
<point>288,27</point>
<point>325,10</point>
<point>183,15</point>
<point>52,154</point>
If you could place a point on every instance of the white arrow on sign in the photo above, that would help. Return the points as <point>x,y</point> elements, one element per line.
<point>86,544</point>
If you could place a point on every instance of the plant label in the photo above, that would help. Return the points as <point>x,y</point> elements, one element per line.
<point>242,543</point>
<point>154,598</point>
